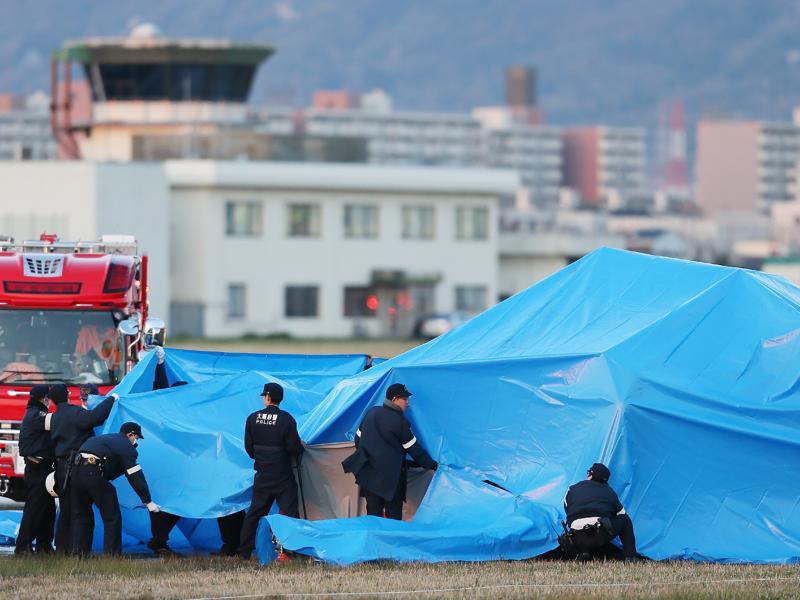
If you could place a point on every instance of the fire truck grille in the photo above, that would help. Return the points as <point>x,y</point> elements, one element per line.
<point>42,265</point>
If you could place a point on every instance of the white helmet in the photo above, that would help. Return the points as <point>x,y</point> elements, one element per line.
<point>50,484</point>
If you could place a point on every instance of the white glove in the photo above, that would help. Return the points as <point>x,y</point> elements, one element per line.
<point>160,354</point>
<point>153,507</point>
<point>115,396</point>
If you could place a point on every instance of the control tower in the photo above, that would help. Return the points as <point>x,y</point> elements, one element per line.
<point>145,87</point>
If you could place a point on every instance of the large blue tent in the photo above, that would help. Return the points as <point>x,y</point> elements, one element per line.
<point>683,377</point>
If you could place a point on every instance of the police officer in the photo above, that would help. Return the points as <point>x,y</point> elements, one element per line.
<point>100,460</point>
<point>70,426</point>
<point>271,439</point>
<point>383,440</point>
<point>35,445</point>
<point>596,516</point>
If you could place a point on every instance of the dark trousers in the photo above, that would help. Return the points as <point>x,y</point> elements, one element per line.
<point>378,506</point>
<point>596,540</point>
<point>64,541</point>
<point>90,487</point>
<point>265,492</point>
<point>39,513</point>
<point>230,529</point>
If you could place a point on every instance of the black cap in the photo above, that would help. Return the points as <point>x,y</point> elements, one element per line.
<point>599,472</point>
<point>131,427</point>
<point>397,390</point>
<point>39,392</point>
<point>275,391</point>
<point>58,393</point>
<point>92,387</point>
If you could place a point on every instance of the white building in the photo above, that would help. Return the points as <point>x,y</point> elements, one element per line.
<point>444,139</point>
<point>329,250</point>
<point>25,130</point>
<point>311,250</point>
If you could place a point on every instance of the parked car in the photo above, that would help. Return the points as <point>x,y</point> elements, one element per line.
<point>431,326</point>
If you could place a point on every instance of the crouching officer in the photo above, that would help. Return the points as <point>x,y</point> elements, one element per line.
<point>101,460</point>
<point>70,426</point>
<point>35,445</point>
<point>271,439</point>
<point>379,464</point>
<point>595,516</point>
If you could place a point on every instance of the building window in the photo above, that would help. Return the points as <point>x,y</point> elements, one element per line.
<point>302,301</point>
<point>418,222</point>
<point>243,218</point>
<point>360,221</point>
<point>472,223</point>
<point>304,220</point>
<point>471,298</point>
<point>360,301</point>
<point>236,300</point>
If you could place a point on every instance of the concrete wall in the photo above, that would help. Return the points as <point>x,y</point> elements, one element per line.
<point>133,199</point>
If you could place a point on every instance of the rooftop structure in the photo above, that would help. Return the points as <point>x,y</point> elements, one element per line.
<point>148,83</point>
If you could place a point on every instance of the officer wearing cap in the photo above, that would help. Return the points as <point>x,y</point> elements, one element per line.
<point>383,440</point>
<point>86,390</point>
<point>101,460</point>
<point>272,441</point>
<point>70,426</point>
<point>596,516</point>
<point>36,447</point>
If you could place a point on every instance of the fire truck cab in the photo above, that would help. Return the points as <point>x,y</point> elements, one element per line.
<point>70,312</point>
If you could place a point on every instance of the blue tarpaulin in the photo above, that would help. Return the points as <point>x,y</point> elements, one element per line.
<point>683,377</point>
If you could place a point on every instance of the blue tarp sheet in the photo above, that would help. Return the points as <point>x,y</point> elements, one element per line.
<point>683,377</point>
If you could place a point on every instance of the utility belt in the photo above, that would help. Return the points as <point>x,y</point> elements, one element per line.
<point>85,459</point>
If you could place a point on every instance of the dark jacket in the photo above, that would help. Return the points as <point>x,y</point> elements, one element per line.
<point>120,457</point>
<point>384,438</point>
<point>590,498</point>
<point>271,440</point>
<point>72,425</point>
<point>34,441</point>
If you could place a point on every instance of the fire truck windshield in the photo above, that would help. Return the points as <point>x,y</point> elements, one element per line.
<point>49,346</point>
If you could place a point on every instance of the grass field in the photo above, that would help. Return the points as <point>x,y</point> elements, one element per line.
<point>214,578</point>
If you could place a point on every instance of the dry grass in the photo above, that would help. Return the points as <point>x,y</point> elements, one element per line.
<point>383,348</point>
<point>210,577</point>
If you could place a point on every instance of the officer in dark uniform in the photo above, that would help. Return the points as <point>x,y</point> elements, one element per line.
<point>100,460</point>
<point>382,442</point>
<point>35,445</point>
<point>271,439</point>
<point>70,426</point>
<point>596,516</point>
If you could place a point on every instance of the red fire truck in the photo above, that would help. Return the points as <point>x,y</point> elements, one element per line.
<point>71,312</point>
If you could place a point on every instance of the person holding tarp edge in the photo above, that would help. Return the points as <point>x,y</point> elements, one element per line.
<point>379,463</point>
<point>100,460</point>
<point>595,516</point>
<point>272,441</point>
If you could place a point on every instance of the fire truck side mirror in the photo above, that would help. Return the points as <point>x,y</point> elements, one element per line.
<point>128,327</point>
<point>155,332</point>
